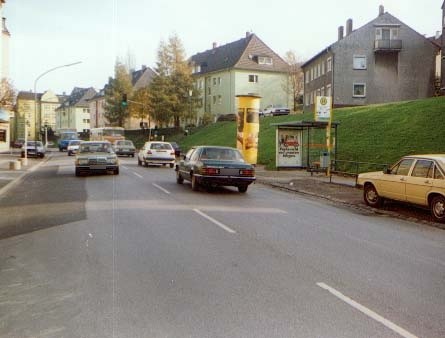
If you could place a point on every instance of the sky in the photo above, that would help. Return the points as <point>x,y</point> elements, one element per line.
<point>49,33</point>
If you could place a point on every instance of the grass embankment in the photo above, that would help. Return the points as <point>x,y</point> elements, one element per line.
<point>376,133</point>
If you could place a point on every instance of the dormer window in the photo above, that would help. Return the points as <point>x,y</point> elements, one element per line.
<point>265,60</point>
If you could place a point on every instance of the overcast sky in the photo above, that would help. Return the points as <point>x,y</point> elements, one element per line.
<point>49,33</point>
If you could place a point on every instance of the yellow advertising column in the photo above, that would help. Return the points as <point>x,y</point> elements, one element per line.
<point>248,126</point>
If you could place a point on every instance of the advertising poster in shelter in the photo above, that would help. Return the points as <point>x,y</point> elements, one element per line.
<point>289,151</point>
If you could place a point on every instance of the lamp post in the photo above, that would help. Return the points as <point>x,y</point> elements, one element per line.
<point>37,126</point>
<point>190,98</point>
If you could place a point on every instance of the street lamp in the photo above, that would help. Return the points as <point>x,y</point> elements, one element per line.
<point>35,100</point>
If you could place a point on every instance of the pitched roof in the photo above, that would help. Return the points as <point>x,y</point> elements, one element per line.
<point>238,54</point>
<point>142,78</point>
<point>79,97</point>
<point>25,95</point>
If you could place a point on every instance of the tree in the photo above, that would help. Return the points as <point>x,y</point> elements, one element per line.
<point>170,88</point>
<point>295,75</point>
<point>7,94</point>
<point>115,113</point>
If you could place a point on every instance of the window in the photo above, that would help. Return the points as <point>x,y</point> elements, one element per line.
<point>319,69</point>
<point>312,74</point>
<point>359,62</point>
<point>219,99</point>
<point>423,168</point>
<point>322,68</point>
<point>437,174</point>
<point>209,91</point>
<point>402,168</point>
<point>329,65</point>
<point>253,78</point>
<point>214,99</point>
<point>214,81</point>
<point>265,60</point>
<point>359,90</point>
<point>386,33</point>
<point>306,77</point>
<point>219,81</point>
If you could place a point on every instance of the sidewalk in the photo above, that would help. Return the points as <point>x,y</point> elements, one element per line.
<point>340,189</point>
<point>10,177</point>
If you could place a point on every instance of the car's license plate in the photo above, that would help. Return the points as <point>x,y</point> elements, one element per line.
<point>98,167</point>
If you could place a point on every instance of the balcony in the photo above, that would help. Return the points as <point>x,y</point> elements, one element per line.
<point>387,45</point>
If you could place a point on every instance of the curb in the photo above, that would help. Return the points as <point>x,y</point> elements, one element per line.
<point>19,179</point>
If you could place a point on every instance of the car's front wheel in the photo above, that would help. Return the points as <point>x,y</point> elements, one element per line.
<point>371,196</point>
<point>437,206</point>
<point>116,171</point>
<point>78,173</point>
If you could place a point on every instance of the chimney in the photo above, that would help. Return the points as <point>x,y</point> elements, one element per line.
<point>248,34</point>
<point>381,10</point>
<point>144,67</point>
<point>214,45</point>
<point>340,33</point>
<point>437,35</point>
<point>348,27</point>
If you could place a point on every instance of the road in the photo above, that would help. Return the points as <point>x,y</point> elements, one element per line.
<point>137,255</point>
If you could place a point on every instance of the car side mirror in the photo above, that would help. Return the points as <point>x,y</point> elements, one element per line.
<point>387,171</point>
<point>184,157</point>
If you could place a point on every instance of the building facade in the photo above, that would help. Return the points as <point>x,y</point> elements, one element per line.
<point>241,67</point>
<point>382,61</point>
<point>74,112</point>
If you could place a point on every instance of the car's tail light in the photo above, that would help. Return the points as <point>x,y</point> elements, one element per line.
<point>172,153</point>
<point>149,152</point>
<point>247,172</point>
<point>209,171</point>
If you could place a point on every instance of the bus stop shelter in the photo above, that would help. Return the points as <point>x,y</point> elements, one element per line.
<point>302,144</point>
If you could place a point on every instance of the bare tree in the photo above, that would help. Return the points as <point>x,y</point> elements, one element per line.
<point>7,94</point>
<point>295,88</point>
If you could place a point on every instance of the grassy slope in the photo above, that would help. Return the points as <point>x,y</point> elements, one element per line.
<point>377,133</point>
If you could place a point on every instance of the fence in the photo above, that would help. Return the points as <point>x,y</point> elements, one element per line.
<point>353,168</point>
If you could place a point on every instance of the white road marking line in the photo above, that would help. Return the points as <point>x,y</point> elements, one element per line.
<point>222,226</point>
<point>397,329</point>
<point>161,188</point>
<point>125,167</point>
<point>140,176</point>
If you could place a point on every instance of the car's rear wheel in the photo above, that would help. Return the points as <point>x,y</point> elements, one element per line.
<point>437,206</point>
<point>242,188</point>
<point>195,184</point>
<point>78,173</point>
<point>172,165</point>
<point>179,178</point>
<point>371,196</point>
<point>145,163</point>
<point>139,161</point>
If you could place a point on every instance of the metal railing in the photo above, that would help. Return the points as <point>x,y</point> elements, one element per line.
<point>353,168</point>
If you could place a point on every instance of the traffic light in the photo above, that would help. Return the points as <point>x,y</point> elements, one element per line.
<point>124,102</point>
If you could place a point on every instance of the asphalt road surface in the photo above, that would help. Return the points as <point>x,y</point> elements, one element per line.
<point>137,255</point>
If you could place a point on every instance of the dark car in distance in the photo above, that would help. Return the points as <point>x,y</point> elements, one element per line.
<point>177,148</point>
<point>212,166</point>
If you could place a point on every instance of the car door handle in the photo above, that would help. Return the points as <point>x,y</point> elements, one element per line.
<point>402,179</point>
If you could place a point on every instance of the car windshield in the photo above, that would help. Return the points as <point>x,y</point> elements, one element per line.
<point>74,143</point>
<point>34,144</point>
<point>95,148</point>
<point>124,143</point>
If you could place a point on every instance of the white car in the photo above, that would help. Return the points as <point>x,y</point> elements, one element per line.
<point>33,149</point>
<point>157,153</point>
<point>275,110</point>
<point>73,147</point>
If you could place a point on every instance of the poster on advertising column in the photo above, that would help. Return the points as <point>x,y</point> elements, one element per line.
<point>289,152</point>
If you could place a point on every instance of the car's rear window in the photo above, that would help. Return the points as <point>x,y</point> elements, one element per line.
<point>161,146</point>
<point>124,143</point>
<point>221,154</point>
